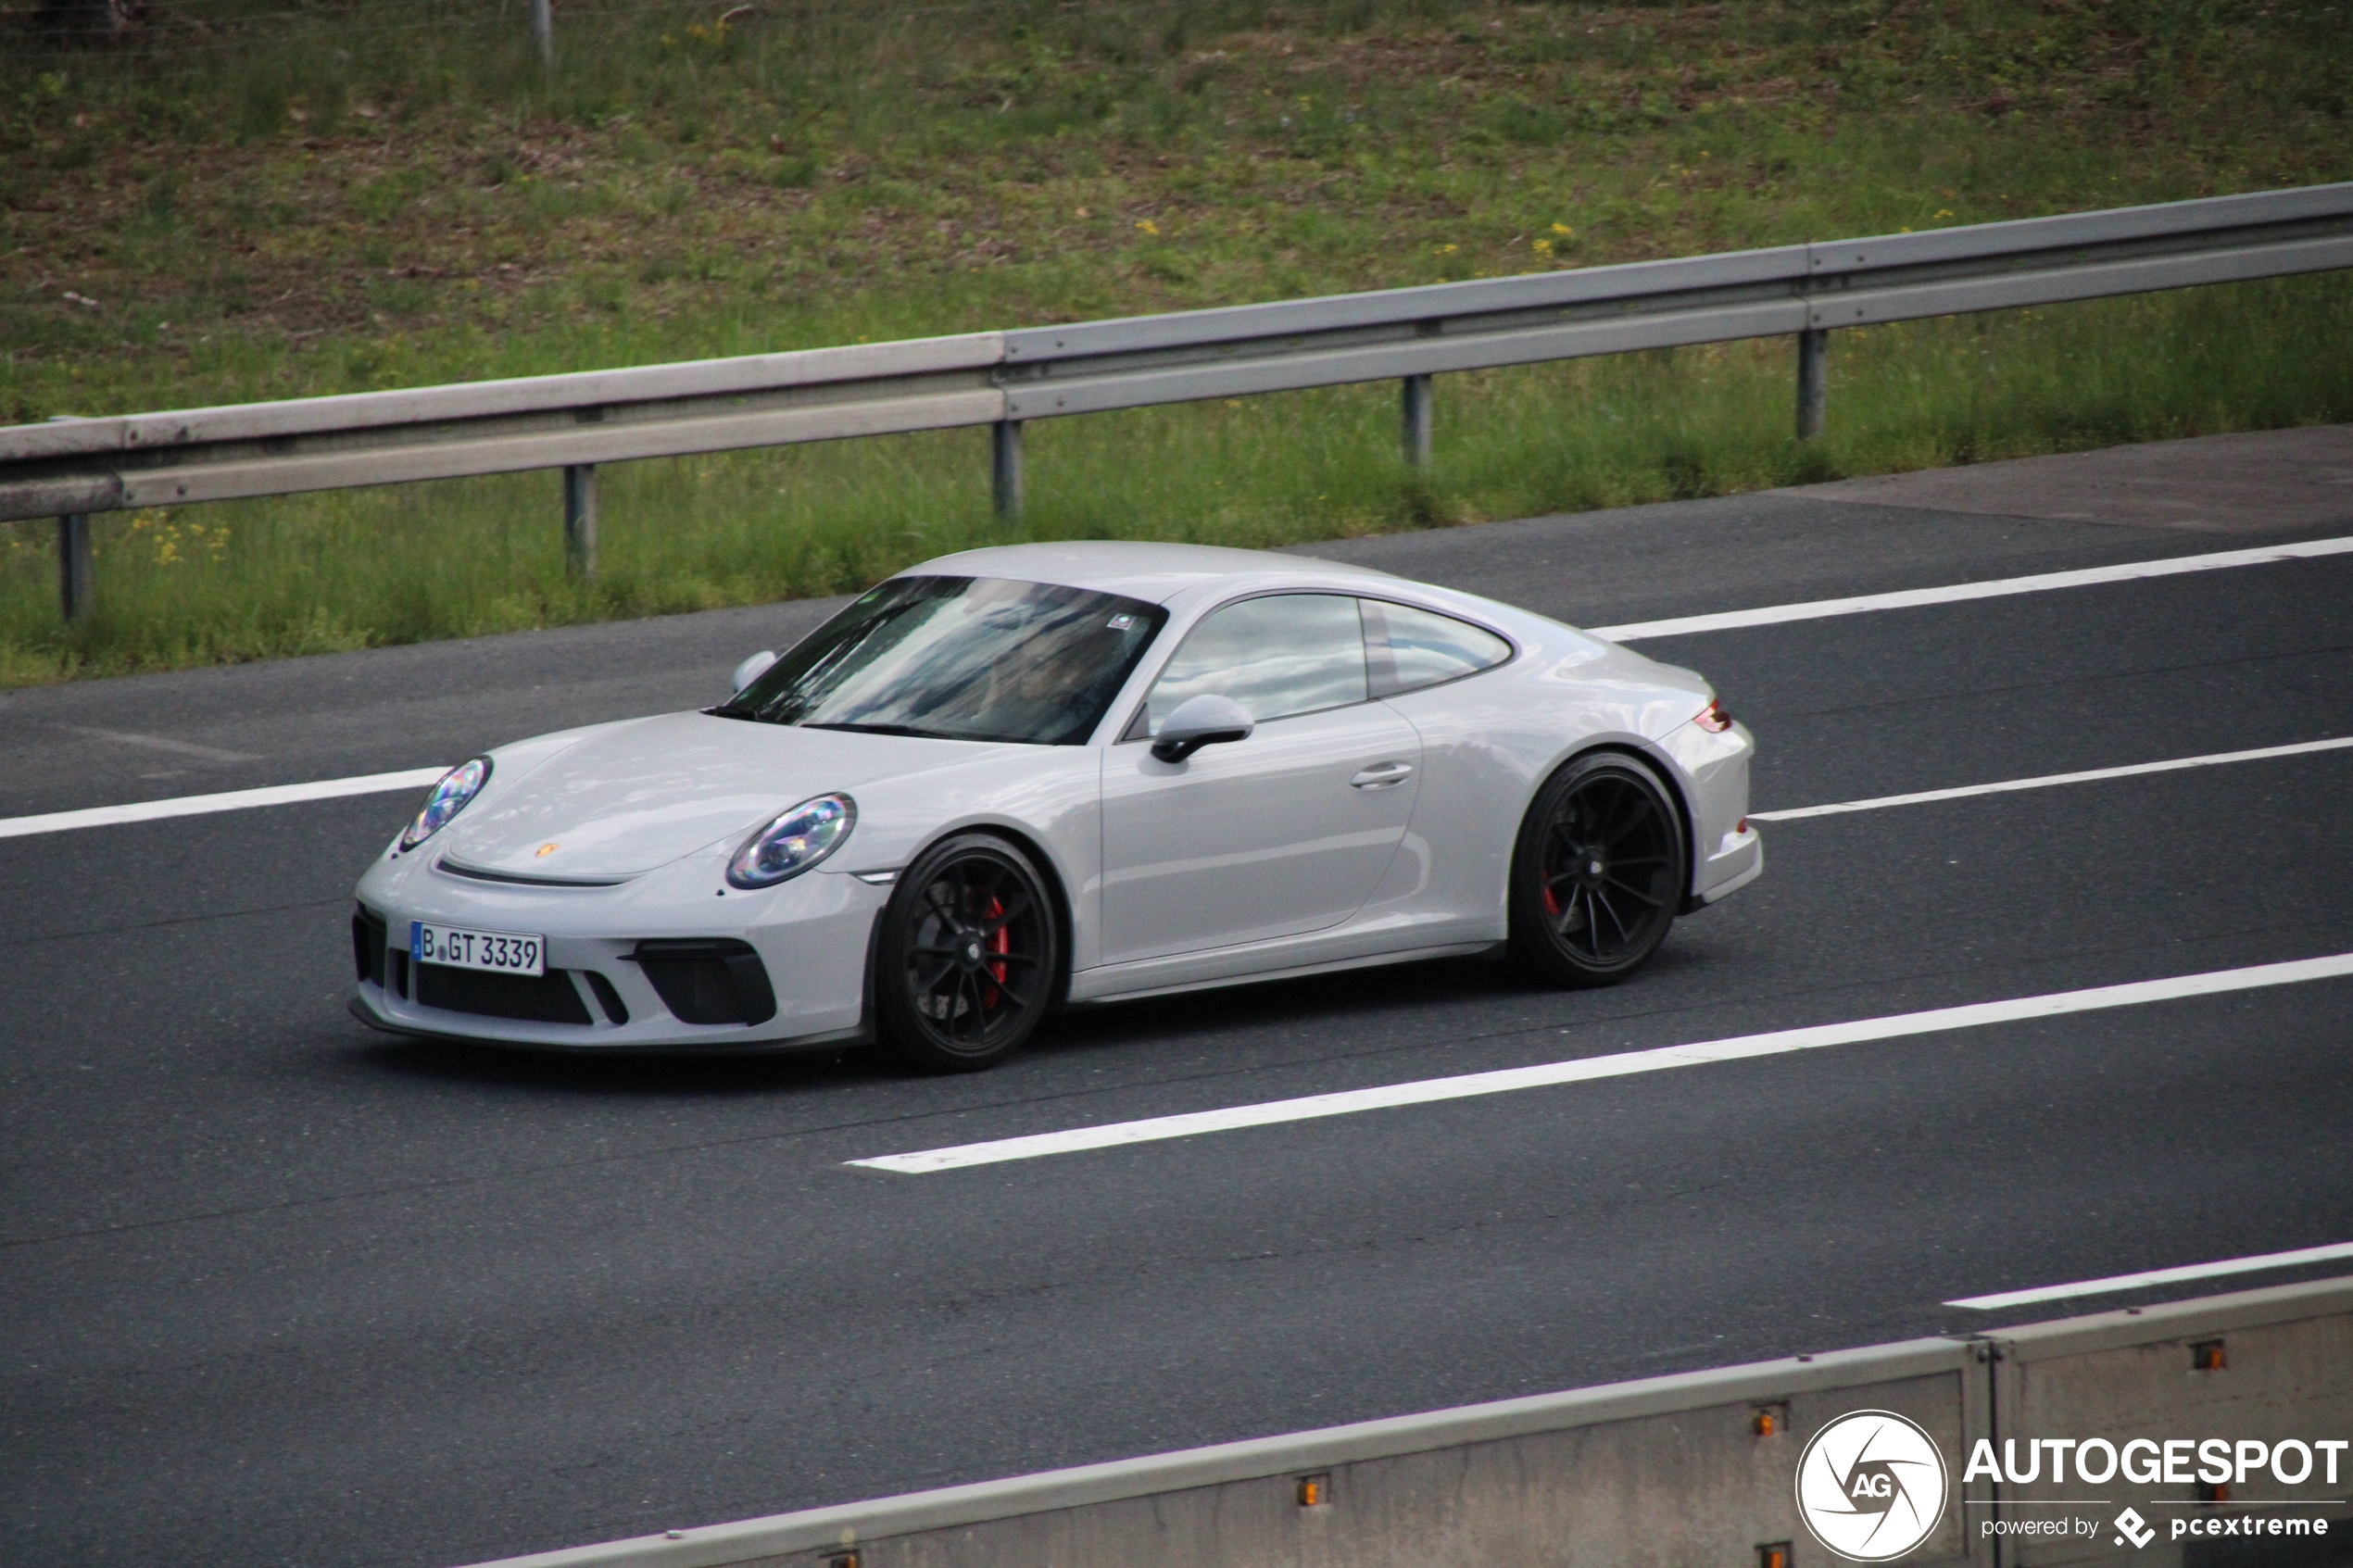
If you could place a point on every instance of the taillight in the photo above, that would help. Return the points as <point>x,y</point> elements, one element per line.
<point>1713,719</point>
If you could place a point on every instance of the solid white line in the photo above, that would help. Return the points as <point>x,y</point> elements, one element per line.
<point>230,800</point>
<point>1546,1074</point>
<point>1817,609</point>
<point>2157,1276</point>
<point>2133,770</point>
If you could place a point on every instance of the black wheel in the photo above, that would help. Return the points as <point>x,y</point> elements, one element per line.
<point>1600,872</point>
<point>967,956</point>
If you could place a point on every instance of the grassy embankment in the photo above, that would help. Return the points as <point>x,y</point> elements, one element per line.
<point>367,196</point>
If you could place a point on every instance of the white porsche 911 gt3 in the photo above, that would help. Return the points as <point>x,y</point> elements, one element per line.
<point>1039,775</point>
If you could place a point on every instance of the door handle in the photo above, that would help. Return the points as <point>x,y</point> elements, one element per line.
<point>1381,775</point>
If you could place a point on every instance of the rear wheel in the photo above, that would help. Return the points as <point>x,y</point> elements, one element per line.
<point>967,956</point>
<point>1599,873</point>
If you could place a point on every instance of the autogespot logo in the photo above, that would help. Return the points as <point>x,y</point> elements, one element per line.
<point>1871,1485</point>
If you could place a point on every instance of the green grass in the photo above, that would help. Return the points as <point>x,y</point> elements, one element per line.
<point>259,217</point>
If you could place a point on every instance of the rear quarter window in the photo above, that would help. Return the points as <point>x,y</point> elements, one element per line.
<point>1408,648</point>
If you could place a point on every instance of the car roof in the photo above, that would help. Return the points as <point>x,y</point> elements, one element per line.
<point>1138,569</point>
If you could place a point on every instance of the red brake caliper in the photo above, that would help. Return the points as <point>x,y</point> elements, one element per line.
<point>1552,899</point>
<point>1001,942</point>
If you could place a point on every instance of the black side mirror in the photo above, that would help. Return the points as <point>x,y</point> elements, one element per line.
<point>1206,720</point>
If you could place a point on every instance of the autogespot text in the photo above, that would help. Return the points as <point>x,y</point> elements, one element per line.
<point>2147,1463</point>
<point>2223,1465</point>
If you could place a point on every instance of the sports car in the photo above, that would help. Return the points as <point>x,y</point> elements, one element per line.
<point>1044,776</point>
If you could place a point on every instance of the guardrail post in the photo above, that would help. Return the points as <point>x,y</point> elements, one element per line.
<point>1813,381</point>
<point>1414,426</point>
<point>73,566</point>
<point>543,32</point>
<point>580,519</point>
<point>1005,475</point>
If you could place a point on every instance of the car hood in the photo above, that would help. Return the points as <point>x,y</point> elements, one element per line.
<point>636,795</point>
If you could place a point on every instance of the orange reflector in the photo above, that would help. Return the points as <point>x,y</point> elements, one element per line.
<point>1766,1423</point>
<point>2207,1356</point>
<point>1775,1555</point>
<point>1315,1491</point>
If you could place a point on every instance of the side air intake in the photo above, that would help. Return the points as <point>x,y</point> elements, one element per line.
<point>708,979</point>
<point>367,934</point>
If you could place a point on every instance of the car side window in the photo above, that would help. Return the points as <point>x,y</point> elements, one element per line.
<point>1410,649</point>
<point>1276,656</point>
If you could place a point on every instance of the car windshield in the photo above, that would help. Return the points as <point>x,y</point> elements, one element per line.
<point>959,659</point>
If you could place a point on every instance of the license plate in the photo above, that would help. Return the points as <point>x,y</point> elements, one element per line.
<point>501,952</point>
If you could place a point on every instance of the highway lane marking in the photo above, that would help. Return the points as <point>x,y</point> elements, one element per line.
<point>1548,1075</point>
<point>162,742</point>
<point>1908,598</point>
<point>228,801</point>
<point>1770,615</point>
<point>2133,770</point>
<point>374,784</point>
<point>2157,1276</point>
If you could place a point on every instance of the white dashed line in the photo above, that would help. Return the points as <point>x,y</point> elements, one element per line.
<point>1912,599</point>
<point>2133,770</point>
<point>230,800</point>
<point>1548,1075</point>
<point>2157,1276</point>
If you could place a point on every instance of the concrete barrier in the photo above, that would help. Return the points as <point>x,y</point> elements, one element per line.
<point>2257,1367</point>
<point>1698,1468</point>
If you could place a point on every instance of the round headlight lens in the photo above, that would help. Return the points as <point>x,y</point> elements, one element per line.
<point>793,842</point>
<point>458,785</point>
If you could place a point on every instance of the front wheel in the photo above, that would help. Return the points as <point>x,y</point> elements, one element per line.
<point>1599,873</point>
<point>967,956</point>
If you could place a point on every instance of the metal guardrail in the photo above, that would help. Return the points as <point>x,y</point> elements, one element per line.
<point>70,469</point>
<point>1694,1468</point>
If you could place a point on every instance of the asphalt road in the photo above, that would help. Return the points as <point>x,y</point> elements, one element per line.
<point>277,1290</point>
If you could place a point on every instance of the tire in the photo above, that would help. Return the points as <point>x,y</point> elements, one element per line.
<point>1600,872</point>
<point>968,956</point>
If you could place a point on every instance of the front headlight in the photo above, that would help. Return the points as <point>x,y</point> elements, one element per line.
<point>793,842</point>
<point>458,785</point>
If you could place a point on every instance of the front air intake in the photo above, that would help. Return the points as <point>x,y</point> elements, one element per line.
<point>708,979</point>
<point>528,998</point>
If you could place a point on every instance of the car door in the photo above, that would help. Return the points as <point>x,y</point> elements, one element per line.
<point>1284,832</point>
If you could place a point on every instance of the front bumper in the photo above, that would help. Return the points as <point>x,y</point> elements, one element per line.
<point>656,964</point>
